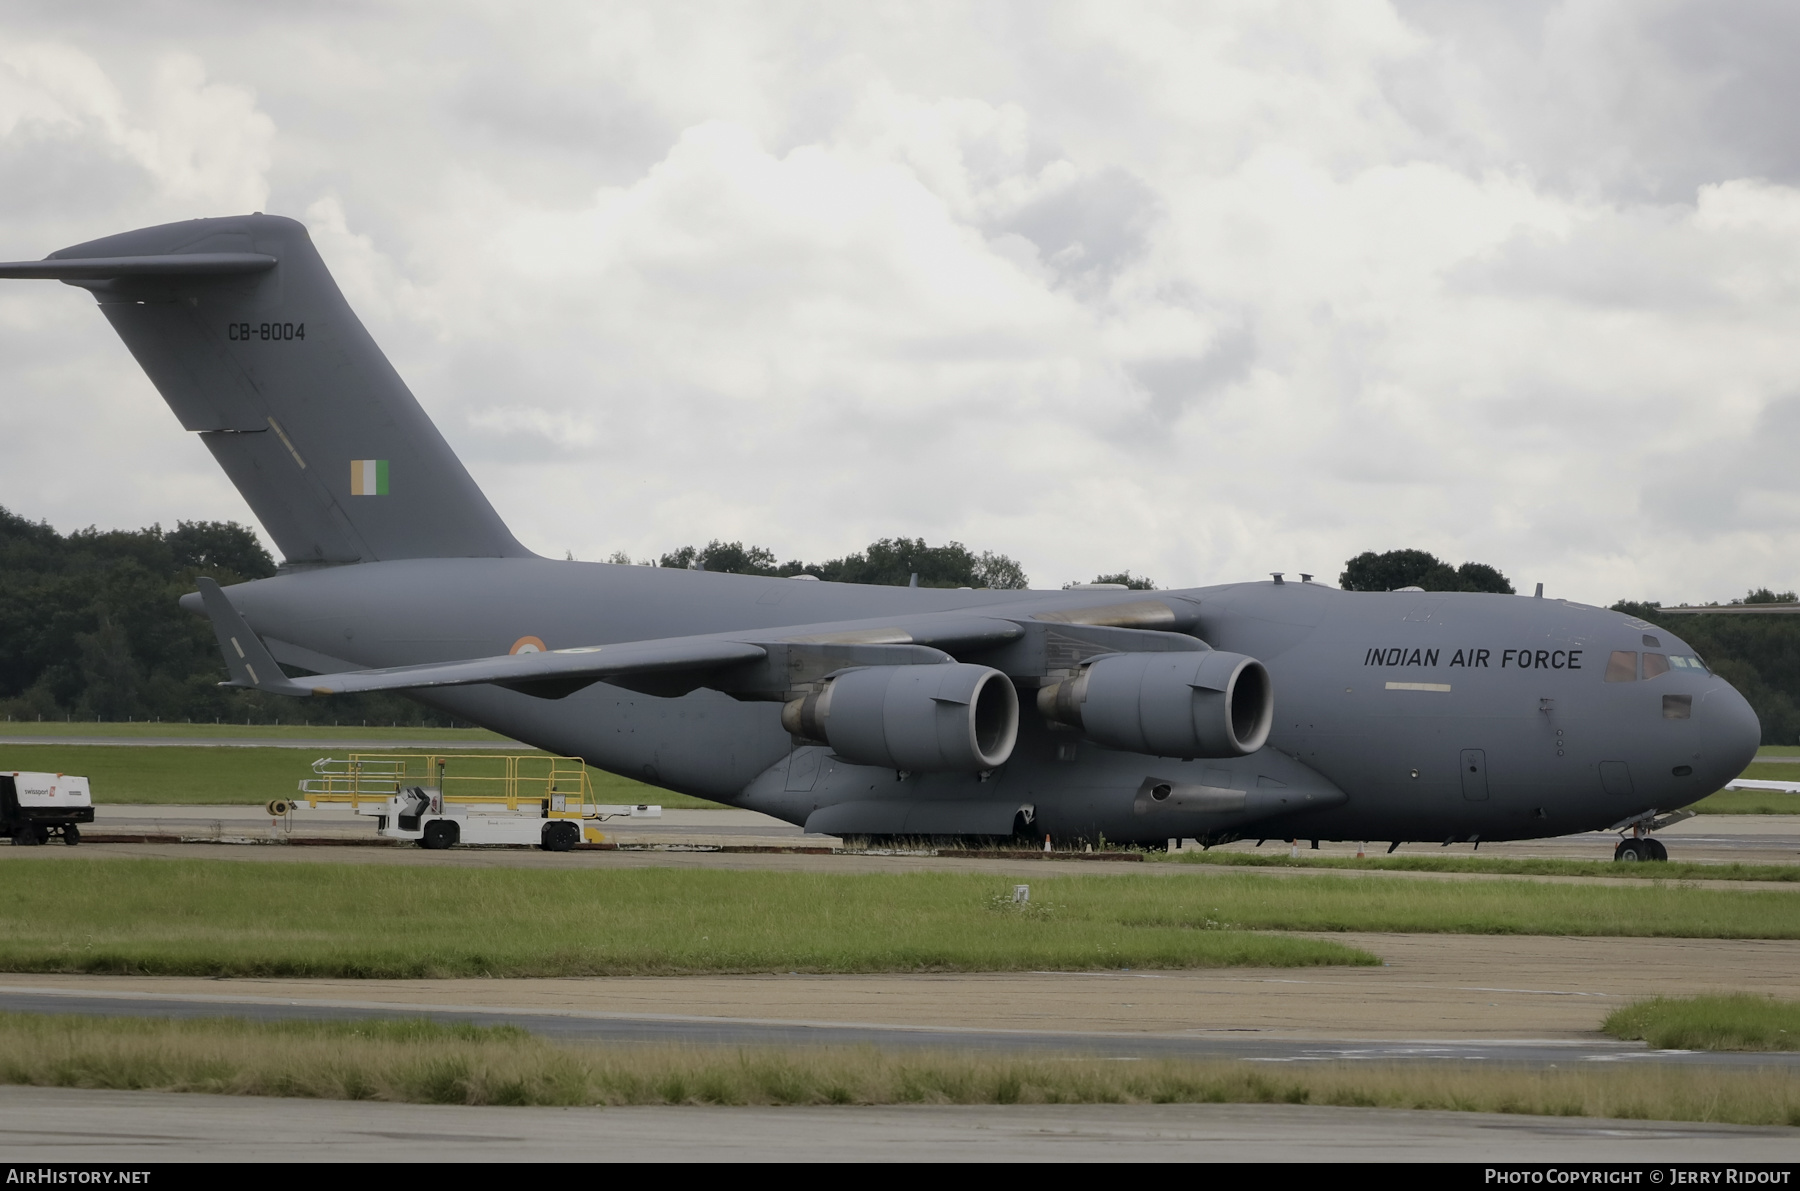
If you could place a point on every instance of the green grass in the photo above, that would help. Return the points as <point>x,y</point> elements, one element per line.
<point>1749,802</point>
<point>611,788</point>
<point>1329,903</point>
<point>176,775</point>
<point>190,917</point>
<point>1786,770</point>
<point>1733,1021</point>
<point>425,1063</point>
<point>180,917</point>
<point>1784,766</point>
<point>1665,871</point>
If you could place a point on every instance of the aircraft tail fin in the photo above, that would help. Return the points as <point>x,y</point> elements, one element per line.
<point>243,331</point>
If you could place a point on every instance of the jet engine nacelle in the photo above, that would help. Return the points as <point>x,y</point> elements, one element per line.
<point>1208,704</point>
<point>947,718</point>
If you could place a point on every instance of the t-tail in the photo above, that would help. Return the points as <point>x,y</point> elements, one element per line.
<point>241,328</point>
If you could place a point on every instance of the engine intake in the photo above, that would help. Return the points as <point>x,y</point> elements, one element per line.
<point>948,718</point>
<point>1208,704</point>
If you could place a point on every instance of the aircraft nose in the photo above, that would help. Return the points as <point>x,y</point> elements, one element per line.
<point>1733,733</point>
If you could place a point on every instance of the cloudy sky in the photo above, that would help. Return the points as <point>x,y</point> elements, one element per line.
<point>1205,290</point>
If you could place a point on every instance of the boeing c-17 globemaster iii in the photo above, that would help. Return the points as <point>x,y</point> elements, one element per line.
<point>1272,709</point>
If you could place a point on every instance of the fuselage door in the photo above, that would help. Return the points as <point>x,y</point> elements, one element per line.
<point>1474,775</point>
<point>1615,777</point>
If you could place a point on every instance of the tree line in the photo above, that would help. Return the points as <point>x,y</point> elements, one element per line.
<point>90,629</point>
<point>888,562</point>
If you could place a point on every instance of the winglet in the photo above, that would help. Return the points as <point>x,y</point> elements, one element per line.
<point>246,657</point>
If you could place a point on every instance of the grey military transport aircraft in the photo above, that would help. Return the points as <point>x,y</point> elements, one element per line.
<point>1274,709</point>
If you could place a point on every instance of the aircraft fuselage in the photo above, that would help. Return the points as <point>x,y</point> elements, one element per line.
<point>1398,716</point>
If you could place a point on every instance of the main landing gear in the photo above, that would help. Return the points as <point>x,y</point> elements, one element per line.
<point>1637,844</point>
<point>1630,850</point>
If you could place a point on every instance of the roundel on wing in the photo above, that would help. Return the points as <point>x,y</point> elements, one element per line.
<point>527,645</point>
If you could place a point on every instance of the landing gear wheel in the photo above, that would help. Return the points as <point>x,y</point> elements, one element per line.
<point>1657,851</point>
<point>438,835</point>
<point>561,837</point>
<point>71,834</point>
<point>1631,851</point>
<point>25,836</point>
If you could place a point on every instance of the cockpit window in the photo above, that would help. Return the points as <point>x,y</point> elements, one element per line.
<point>1652,642</point>
<point>1655,665</point>
<point>1622,666</point>
<point>1687,662</point>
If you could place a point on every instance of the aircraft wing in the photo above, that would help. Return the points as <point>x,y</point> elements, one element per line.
<point>250,665</point>
<point>668,666</point>
<point>554,672</point>
<point>753,664</point>
<point>1774,787</point>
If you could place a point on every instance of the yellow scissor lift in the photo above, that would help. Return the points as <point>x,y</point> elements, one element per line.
<point>443,799</point>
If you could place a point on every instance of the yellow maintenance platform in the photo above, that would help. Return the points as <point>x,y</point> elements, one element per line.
<point>441,799</point>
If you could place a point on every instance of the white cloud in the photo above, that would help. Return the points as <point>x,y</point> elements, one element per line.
<point>202,144</point>
<point>1202,293</point>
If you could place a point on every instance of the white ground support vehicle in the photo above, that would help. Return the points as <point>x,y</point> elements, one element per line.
<point>35,806</point>
<point>422,814</point>
<point>463,798</point>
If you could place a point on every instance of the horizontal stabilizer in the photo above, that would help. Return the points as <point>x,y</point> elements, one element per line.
<point>247,659</point>
<point>99,268</point>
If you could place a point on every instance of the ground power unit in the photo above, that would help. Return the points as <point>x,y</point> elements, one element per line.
<point>36,806</point>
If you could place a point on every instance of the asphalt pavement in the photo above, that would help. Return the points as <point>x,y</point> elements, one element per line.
<point>69,1125</point>
<point>617,1028</point>
<point>1722,839</point>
